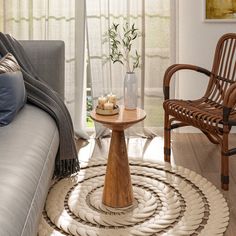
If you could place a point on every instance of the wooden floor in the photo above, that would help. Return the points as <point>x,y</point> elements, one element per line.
<point>192,151</point>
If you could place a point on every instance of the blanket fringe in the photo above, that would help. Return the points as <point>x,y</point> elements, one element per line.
<point>66,168</point>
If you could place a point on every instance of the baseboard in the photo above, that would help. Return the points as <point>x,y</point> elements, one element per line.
<point>193,130</point>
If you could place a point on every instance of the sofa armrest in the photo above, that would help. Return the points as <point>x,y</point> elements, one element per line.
<point>48,59</point>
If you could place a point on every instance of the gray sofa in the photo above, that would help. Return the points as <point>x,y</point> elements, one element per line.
<point>28,148</point>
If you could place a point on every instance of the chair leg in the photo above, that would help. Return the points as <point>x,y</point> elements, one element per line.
<point>225,162</point>
<point>167,150</point>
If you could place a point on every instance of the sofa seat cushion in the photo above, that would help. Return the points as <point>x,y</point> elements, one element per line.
<point>28,147</point>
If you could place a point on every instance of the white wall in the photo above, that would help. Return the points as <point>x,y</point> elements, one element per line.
<point>196,44</point>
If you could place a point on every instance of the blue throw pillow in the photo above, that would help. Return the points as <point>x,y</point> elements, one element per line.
<point>12,89</point>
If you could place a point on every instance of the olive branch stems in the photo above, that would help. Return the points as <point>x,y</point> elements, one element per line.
<point>121,45</point>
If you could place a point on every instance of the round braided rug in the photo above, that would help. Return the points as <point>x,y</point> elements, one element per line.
<point>169,200</point>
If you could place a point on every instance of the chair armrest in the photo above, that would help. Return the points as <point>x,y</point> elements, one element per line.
<point>176,67</point>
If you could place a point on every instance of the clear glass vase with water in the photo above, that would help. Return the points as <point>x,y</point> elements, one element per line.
<point>130,91</point>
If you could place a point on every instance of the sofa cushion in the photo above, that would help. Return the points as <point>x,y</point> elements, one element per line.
<point>28,147</point>
<point>12,89</point>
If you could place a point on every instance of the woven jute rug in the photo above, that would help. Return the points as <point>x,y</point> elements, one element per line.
<point>169,200</point>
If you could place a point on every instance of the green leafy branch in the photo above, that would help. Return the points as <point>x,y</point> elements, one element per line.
<point>121,45</point>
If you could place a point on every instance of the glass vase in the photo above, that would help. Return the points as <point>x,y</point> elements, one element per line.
<point>130,91</point>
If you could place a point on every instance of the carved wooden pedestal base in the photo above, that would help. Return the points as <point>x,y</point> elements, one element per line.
<point>118,190</point>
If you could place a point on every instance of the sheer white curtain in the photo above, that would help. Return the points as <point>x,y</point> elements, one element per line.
<point>54,19</point>
<point>152,18</point>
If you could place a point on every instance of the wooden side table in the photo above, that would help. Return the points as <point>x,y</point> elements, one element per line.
<point>118,191</point>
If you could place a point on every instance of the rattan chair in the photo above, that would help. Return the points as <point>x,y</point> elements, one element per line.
<point>215,113</point>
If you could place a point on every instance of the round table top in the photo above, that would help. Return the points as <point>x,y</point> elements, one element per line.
<point>124,119</point>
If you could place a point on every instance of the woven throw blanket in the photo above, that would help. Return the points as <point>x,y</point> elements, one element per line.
<point>40,95</point>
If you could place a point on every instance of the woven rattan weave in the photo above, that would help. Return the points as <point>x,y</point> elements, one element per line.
<point>215,113</point>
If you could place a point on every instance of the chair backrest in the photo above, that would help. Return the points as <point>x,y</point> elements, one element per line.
<point>224,68</point>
